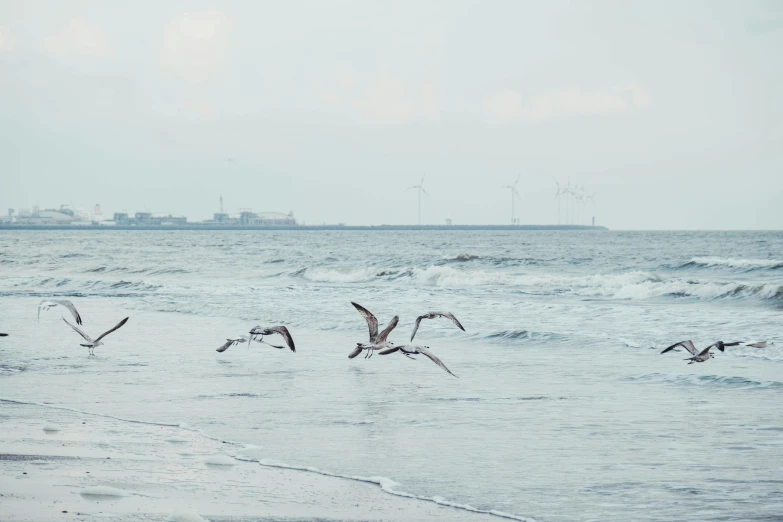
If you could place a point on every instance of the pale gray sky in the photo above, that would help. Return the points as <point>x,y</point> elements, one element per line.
<point>670,111</point>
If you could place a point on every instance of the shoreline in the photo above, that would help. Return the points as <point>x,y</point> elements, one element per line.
<point>60,463</point>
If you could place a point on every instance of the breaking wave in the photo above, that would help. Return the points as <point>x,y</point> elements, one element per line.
<point>745,265</point>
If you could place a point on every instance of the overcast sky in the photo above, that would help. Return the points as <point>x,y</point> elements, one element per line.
<point>670,112</point>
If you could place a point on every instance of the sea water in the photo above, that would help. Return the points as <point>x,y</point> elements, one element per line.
<point>563,408</point>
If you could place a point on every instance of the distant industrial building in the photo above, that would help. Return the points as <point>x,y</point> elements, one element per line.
<point>49,216</point>
<point>266,218</point>
<point>64,216</point>
<point>148,219</point>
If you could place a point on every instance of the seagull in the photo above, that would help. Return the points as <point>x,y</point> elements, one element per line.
<point>51,303</point>
<point>700,356</point>
<point>414,350</point>
<point>377,340</point>
<point>230,343</point>
<point>688,345</point>
<point>760,344</point>
<point>92,344</point>
<point>259,331</point>
<point>433,315</point>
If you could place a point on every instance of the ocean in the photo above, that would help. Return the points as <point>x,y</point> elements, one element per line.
<point>563,408</point>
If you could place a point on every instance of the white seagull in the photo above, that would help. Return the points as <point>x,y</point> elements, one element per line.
<point>258,332</point>
<point>433,315</point>
<point>94,343</point>
<point>231,342</point>
<point>377,340</point>
<point>414,350</point>
<point>46,304</point>
<point>760,344</point>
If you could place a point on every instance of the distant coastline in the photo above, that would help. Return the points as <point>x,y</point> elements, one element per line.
<point>213,227</point>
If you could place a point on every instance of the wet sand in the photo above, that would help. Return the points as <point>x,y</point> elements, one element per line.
<point>62,465</point>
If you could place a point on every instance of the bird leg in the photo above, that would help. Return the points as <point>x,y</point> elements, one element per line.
<point>409,356</point>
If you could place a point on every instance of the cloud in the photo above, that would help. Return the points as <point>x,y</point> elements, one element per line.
<point>506,106</point>
<point>379,99</point>
<point>195,43</point>
<point>78,37</point>
<point>503,106</point>
<point>7,40</point>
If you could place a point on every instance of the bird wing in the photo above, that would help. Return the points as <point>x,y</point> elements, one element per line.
<point>282,330</point>
<point>386,331</point>
<point>449,315</point>
<point>735,343</point>
<point>78,331</point>
<point>416,326</point>
<point>69,305</point>
<point>228,344</point>
<point>387,351</point>
<point>433,315</point>
<point>706,350</point>
<point>356,352</point>
<point>40,305</point>
<point>434,359</point>
<point>107,332</point>
<point>372,322</point>
<point>688,345</point>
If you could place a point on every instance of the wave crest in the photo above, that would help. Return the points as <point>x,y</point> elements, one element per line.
<point>744,264</point>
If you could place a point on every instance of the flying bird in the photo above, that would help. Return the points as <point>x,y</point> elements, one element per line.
<point>700,356</point>
<point>231,342</point>
<point>414,350</point>
<point>257,334</point>
<point>377,340</point>
<point>94,343</point>
<point>433,315</point>
<point>688,345</point>
<point>760,344</point>
<point>46,304</point>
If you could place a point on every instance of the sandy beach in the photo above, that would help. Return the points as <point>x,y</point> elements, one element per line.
<point>61,465</point>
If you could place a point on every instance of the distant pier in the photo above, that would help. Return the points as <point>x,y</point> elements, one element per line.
<point>214,226</point>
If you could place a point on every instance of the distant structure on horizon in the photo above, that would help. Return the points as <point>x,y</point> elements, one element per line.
<point>247,217</point>
<point>62,216</point>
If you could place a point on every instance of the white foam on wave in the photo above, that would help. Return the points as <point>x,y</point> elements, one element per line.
<point>736,263</point>
<point>702,290</point>
<point>51,428</point>
<point>219,460</point>
<point>451,277</point>
<point>389,486</point>
<point>328,275</point>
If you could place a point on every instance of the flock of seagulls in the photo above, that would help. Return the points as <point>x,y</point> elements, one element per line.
<point>378,341</point>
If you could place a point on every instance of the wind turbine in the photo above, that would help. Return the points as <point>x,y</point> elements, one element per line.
<point>513,189</point>
<point>420,189</point>
<point>558,193</point>
<point>591,198</point>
